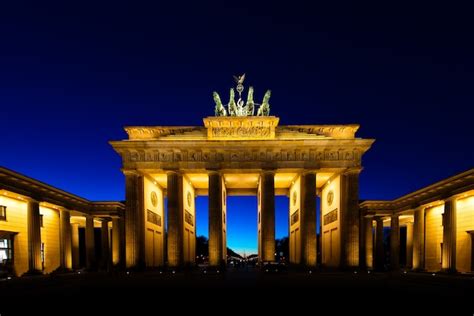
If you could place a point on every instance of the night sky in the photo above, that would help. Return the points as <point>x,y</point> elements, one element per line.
<point>72,75</point>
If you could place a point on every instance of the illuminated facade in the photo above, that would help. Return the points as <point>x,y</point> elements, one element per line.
<point>247,155</point>
<point>44,229</point>
<point>437,223</point>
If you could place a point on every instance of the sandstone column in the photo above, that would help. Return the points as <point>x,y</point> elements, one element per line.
<point>122,262</point>
<point>409,245</point>
<point>267,212</point>
<point>449,236</point>
<point>105,244</point>
<point>65,241</point>
<point>308,219</point>
<point>34,238</point>
<point>134,220</point>
<point>216,242</point>
<point>368,243</point>
<point>350,218</point>
<point>75,245</point>
<point>117,242</point>
<point>90,246</point>
<point>175,219</point>
<point>419,240</point>
<point>394,242</point>
<point>379,249</point>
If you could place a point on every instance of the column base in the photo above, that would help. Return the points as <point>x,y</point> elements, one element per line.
<point>33,273</point>
<point>136,268</point>
<point>62,270</point>
<point>349,268</point>
<point>449,271</point>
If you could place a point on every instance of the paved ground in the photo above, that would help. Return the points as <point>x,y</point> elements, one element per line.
<point>243,288</point>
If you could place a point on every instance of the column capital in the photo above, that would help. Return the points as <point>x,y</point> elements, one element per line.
<point>268,171</point>
<point>368,214</point>
<point>173,172</point>
<point>452,198</point>
<point>30,199</point>
<point>352,171</point>
<point>394,215</point>
<point>130,172</point>
<point>419,208</point>
<point>308,171</point>
<point>214,172</point>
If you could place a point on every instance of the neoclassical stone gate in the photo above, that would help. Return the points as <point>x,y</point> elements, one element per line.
<point>241,154</point>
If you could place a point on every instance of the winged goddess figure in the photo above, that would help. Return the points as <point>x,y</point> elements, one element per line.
<point>239,79</point>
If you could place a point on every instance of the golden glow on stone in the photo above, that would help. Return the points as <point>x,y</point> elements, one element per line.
<point>241,128</point>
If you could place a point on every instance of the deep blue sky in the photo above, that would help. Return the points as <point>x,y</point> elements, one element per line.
<point>72,75</point>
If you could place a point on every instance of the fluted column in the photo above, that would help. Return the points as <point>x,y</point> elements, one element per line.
<point>419,240</point>
<point>394,242</point>
<point>349,221</point>
<point>65,241</point>
<point>267,212</point>
<point>409,245</point>
<point>175,219</point>
<point>117,242</point>
<point>379,249</point>
<point>308,219</point>
<point>75,246</point>
<point>368,243</point>
<point>449,236</point>
<point>90,246</point>
<point>215,219</point>
<point>34,238</point>
<point>134,220</point>
<point>105,244</point>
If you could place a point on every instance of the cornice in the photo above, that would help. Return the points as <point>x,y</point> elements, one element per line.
<point>333,131</point>
<point>239,128</point>
<point>441,190</point>
<point>36,190</point>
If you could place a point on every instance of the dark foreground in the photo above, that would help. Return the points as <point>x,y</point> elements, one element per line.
<point>244,289</point>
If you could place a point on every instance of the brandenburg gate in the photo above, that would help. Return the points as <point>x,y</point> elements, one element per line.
<point>242,150</point>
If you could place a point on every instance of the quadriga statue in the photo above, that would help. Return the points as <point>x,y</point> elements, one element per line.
<point>264,109</point>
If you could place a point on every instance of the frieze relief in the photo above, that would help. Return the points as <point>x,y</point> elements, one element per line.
<point>334,131</point>
<point>253,131</point>
<point>240,155</point>
<point>253,127</point>
<point>155,132</point>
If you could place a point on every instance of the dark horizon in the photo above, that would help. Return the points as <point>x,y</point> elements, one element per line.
<point>73,76</point>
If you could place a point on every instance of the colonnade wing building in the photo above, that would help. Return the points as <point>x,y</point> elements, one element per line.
<point>436,225</point>
<point>250,155</point>
<point>44,229</point>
